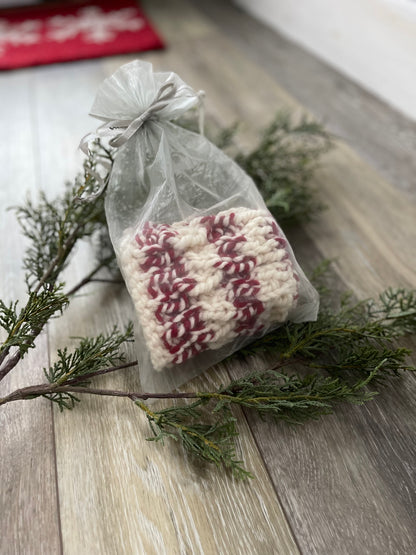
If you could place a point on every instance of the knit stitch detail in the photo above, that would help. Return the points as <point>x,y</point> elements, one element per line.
<point>200,283</point>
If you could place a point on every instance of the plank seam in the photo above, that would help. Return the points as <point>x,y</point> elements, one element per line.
<point>285,513</point>
<point>266,468</point>
<point>55,458</point>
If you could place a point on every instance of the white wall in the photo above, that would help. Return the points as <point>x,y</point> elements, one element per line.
<point>372,41</point>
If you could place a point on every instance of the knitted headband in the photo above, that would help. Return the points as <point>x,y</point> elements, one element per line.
<point>198,284</point>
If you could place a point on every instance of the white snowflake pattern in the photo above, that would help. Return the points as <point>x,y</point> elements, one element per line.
<point>16,34</point>
<point>93,24</point>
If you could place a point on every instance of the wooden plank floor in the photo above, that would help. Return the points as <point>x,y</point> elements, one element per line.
<point>382,135</point>
<point>86,482</point>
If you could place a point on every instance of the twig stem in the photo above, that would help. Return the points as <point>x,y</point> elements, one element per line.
<point>80,379</point>
<point>89,276</point>
<point>49,389</point>
<point>63,252</point>
<point>14,359</point>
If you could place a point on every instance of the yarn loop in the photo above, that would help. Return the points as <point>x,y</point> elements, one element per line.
<point>199,284</point>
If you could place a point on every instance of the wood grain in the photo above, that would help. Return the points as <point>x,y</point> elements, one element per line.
<point>382,135</point>
<point>345,484</point>
<point>132,496</point>
<point>348,481</point>
<point>370,228</point>
<point>28,495</point>
<point>129,495</point>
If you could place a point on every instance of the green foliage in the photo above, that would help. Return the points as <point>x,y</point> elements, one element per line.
<point>291,398</point>
<point>54,227</point>
<point>337,358</point>
<point>8,316</point>
<point>395,310</point>
<point>208,437</point>
<point>210,434</point>
<point>91,355</point>
<point>282,165</point>
<point>355,340</point>
<point>23,326</point>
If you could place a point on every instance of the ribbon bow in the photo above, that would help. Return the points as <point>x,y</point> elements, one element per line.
<point>121,130</point>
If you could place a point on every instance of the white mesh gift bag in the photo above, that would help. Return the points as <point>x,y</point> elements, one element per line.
<point>206,265</point>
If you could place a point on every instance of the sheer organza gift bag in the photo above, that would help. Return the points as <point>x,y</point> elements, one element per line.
<point>207,267</point>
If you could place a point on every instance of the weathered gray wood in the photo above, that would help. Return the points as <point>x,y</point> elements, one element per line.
<point>338,477</point>
<point>28,495</point>
<point>381,134</point>
<point>346,483</point>
<point>119,493</point>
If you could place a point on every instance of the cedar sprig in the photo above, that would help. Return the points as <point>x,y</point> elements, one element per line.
<point>291,397</point>
<point>283,163</point>
<point>22,324</point>
<point>92,356</point>
<point>342,354</point>
<point>396,310</point>
<point>356,339</point>
<point>336,368</point>
<point>372,322</point>
<point>53,229</point>
<point>208,436</point>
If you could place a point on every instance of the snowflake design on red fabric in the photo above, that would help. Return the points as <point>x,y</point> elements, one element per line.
<point>18,34</point>
<point>65,31</point>
<point>200,283</point>
<point>93,24</point>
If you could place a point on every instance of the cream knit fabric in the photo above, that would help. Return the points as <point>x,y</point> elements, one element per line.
<point>199,284</point>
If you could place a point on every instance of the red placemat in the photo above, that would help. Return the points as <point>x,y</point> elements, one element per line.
<point>61,32</point>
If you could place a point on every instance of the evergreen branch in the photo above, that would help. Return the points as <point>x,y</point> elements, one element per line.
<point>270,394</point>
<point>8,320</point>
<point>25,325</point>
<point>81,379</point>
<point>11,361</point>
<point>365,359</point>
<point>54,389</point>
<point>367,323</point>
<point>395,310</point>
<point>212,442</point>
<point>356,338</point>
<point>347,349</point>
<point>90,276</point>
<point>210,437</point>
<point>53,230</point>
<point>22,325</point>
<point>282,165</point>
<point>91,357</point>
<point>291,397</point>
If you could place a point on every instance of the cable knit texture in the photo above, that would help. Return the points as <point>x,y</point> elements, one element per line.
<point>199,284</point>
